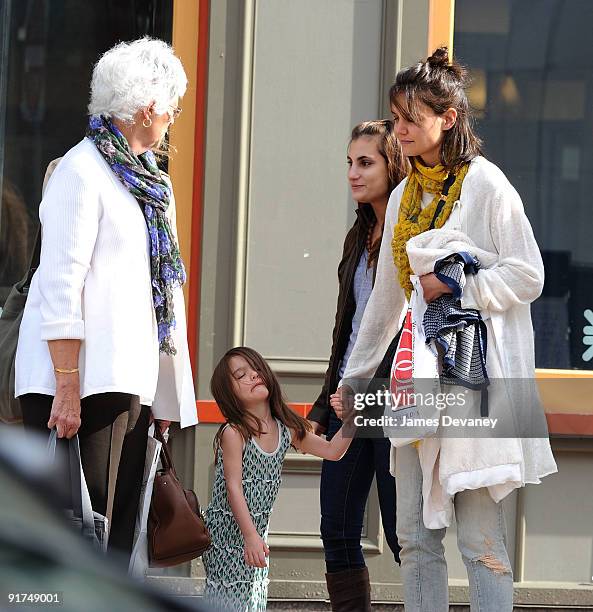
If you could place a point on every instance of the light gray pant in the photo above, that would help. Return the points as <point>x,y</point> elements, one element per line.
<point>480,538</point>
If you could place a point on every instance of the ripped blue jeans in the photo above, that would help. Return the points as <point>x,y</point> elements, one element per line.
<point>480,538</point>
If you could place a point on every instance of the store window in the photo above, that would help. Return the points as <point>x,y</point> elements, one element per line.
<point>47,51</point>
<point>532,89</point>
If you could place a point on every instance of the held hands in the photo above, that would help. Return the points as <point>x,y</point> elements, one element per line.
<point>256,551</point>
<point>65,409</point>
<point>162,424</point>
<point>335,401</point>
<point>433,288</point>
<point>342,401</point>
<point>318,428</point>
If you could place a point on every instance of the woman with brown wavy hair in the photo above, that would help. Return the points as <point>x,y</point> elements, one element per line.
<point>455,203</point>
<point>375,167</point>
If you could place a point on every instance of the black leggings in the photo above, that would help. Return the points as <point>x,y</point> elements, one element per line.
<point>345,486</point>
<point>98,413</point>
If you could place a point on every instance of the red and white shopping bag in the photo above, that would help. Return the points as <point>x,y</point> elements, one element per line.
<point>414,386</point>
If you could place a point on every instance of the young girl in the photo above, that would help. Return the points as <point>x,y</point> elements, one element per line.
<point>432,122</point>
<point>249,452</point>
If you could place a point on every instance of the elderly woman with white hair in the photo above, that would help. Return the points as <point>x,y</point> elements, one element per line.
<point>104,331</point>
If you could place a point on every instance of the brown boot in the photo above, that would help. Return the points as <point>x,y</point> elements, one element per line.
<point>349,590</point>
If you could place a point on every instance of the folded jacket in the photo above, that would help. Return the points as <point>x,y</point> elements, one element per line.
<point>460,333</point>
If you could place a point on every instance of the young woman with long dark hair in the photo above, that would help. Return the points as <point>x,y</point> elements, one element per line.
<point>375,167</point>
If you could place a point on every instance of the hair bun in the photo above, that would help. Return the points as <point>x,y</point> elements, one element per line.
<point>439,58</point>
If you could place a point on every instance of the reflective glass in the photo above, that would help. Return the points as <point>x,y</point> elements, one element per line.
<point>532,88</point>
<point>47,51</point>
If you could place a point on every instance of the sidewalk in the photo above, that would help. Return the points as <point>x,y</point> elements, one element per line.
<point>530,597</point>
<point>317,606</point>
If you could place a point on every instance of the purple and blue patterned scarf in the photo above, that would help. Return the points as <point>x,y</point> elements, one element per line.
<point>141,176</point>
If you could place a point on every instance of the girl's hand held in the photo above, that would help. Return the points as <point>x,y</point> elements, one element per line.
<point>335,401</point>
<point>342,401</point>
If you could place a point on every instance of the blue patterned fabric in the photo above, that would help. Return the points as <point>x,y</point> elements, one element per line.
<point>141,176</point>
<point>460,333</point>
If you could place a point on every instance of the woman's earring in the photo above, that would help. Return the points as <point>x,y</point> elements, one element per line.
<point>144,123</point>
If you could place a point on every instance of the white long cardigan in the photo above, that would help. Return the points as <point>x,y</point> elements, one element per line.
<point>93,284</point>
<point>490,212</point>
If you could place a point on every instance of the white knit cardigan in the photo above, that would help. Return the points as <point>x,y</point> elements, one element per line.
<point>93,284</point>
<point>490,212</point>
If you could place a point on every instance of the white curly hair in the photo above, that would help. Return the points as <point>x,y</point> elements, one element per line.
<point>131,75</point>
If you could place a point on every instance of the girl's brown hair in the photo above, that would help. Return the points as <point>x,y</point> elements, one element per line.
<point>390,150</point>
<point>439,84</point>
<point>247,424</point>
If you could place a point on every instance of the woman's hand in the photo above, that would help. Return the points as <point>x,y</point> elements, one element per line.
<point>65,409</point>
<point>433,288</point>
<point>256,551</point>
<point>162,424</point>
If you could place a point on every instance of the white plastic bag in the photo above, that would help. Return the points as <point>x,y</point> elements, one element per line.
<point>94,527</point>
<point>139,558</point>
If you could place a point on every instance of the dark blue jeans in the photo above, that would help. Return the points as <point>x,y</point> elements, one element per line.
<point>345,486</point>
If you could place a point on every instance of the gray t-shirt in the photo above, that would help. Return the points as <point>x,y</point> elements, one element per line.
<point>363,285</point>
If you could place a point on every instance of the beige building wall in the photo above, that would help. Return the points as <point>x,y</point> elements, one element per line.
<point>288,81</point>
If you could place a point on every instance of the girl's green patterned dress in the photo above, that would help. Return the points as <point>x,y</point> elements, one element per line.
<point>231,584</point>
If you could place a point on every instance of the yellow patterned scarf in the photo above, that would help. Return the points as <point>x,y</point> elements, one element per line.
<point>414,220</point>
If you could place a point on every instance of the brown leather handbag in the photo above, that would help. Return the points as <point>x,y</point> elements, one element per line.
<point>176,529</point>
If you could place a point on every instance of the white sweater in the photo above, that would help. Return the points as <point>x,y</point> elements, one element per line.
<point>93,284</point>
<point>490,212</point>
<point>448,464</point>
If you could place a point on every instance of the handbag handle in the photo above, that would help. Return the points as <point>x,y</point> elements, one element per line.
<point>36,254</point>
<point>81,499</point>
<point>166,460</point>
<point>25,283</point>
<point>443,199</point>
